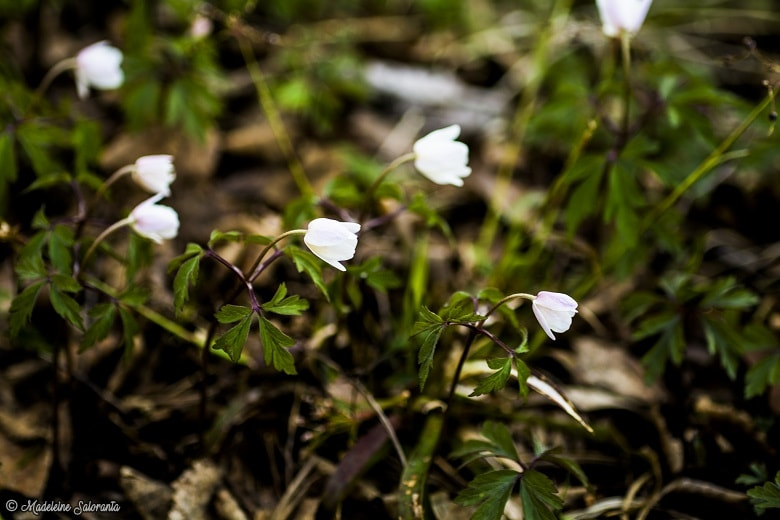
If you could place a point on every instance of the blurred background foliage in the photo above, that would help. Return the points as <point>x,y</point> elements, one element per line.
<point>661,224</point>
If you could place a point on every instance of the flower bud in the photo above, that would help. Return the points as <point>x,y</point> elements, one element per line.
<point>554,311</point>
<point>98,66</point>
<point>442,159</point>
<point>622,16</point>
<point>331,240</point>
<point>154,173</point>
<point>154,221</point>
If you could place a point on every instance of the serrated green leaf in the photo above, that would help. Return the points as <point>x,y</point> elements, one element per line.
<point>233,341</point>
<point>191,250</point>
<point>670,345</point>
<point>66,307</point>
<point>275,345</point>
<point>766,496</point>
<point>523,372</point>
<point>492,491</point>
<point>22,307</point>
<point>65,283</point>
<point>186,276</point>
<point>495,381</point>
<point>224,236</point>
<point>566,463</point>
<point>308,263</point>
<point>129,329</point>
<point>429,340</point>
<point>498,434</point>
<point>289,306</point>
<point>30,265</point>
<point>765,372</point>
<point>724,294</point>
<point>723,341</point>
<point>460,309</point>
<point>539,496</point>
<point>60,244</point>
<point>103,319</point>
<point>232,313</point>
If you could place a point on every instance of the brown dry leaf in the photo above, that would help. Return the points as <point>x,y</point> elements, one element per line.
<point>603,365</point>
<point>150,497</point>
<point>192,491</point>
<point>191,157</point>
<point>25,451</point>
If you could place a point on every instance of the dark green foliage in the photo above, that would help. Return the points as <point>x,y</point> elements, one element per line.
<point>766,496</point>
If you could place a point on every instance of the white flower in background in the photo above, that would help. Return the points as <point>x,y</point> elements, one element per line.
<point>154,221</point>
<point>154,173</point>
<point>622,16</point>
<point>554,311</point>
<point>442,159</point>
<point>98,66</point>
<point>200,27</point>
<point>332,240</point>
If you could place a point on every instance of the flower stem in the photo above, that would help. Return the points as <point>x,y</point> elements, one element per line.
<point>625,48</point>
<point>124,170</point>
<point>381,177</point>
<point>110,229</point>
<point>257,267</point>
<point>504,300</point>
<point>56,70</point>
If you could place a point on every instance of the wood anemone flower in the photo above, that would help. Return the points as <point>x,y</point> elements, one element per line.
<point>554,311</point>
<point>331,240</point>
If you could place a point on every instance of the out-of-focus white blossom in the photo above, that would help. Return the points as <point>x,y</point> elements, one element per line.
<point>332,240</point>
<point>554,311</point>
<point>442,159</point>
<point>200,27</point>
<point>154,221</point>
<point>622,16</point>
<point>154,173</point>
<point>98,66</point>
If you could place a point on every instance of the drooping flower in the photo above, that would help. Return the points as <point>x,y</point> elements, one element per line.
<point>154,221</point>
<point>442,159</point>
<point>622,16</point>
<point>98,66</point>
<point>554,311</point>
<point>154,173</point>
<point>332,240</point>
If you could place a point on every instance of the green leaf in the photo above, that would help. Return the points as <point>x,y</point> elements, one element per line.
<point>723,341</point>
<point>766,496</point>
<point>497,380</point>
<point>491,490</point>
<point>66,283</point>
<point>103,319</point>
<point>671,344</point>
<point>764,373</point>
<point>308,263</point>
<point>66,307</point>
<point>430,337</point>
<point>186,276</point>
<point>566,463</point>
<point>498,443</point>
<point>22,307</point>
<point>540,498</point>
<point>60,244</point>
<point>460,309</point>
<point>290,306</point>
<point>130,329</point>
<point>232,313</point>
<point>224,236</point>
<point>30,265</point>
<point>275,345</point>
<point>233,341</point>
<point>523,372</point>
<point>723,294</point>
<point>8,166</point>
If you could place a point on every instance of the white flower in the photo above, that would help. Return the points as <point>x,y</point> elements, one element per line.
<point>154,221</point>
<point>332,240</point>
<point>98,65</point>
<point>622,16</point>
<point>442,159</point>
<point>200,27</point>
<point>554,311</point>
<point>154,173</point>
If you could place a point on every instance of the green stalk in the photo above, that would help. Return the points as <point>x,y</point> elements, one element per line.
<point>715,158</point>
<point>274,119</point>
<point>525,110</point>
